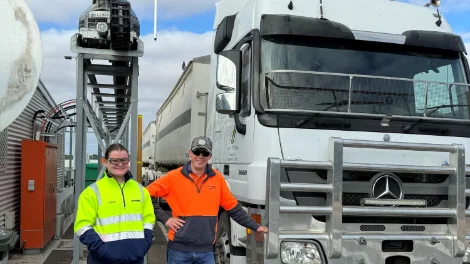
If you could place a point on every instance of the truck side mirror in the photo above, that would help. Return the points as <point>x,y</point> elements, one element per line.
<point>228,79</point>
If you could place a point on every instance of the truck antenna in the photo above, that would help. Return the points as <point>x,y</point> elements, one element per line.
<point>155,21</point>
<point>321,8</point>
<point>436,3</point>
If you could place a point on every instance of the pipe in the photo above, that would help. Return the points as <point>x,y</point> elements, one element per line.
<point>139,148</point>
<point>34,120</point>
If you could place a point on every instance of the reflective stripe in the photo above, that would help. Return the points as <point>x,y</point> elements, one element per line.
<point>82,231</point>
<point>118,219</point>
<point>94,187</point>
<point>122,236</point>
<point>148,226</point>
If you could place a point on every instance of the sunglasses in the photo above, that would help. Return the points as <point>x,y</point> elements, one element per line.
<point>117,161</point>
<point>198,152</point>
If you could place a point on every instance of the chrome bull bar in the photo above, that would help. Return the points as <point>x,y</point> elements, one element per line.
<point>334,210</point>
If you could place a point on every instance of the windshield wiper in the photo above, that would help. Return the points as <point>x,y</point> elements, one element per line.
<point>331,105</point>
<point>405,129</point>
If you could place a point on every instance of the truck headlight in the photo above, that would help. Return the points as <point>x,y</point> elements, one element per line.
<point>466,257</point>
<point>300,252</point>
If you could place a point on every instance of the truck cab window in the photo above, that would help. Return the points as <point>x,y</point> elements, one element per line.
<point>304,74</point>
<point>439,94</point>
<point>245,89</point>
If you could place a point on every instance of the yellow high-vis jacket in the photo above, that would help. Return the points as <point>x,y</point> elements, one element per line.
<point>115,221</point>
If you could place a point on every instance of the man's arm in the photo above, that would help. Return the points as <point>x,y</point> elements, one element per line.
<point>234,209</point>
<point>160,188</point>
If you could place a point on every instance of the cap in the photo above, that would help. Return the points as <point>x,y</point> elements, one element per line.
<point>202,143</point>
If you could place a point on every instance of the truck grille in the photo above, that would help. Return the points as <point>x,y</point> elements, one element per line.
<point>326,200</point>
<point>357,185</point>
<point>354,199</point>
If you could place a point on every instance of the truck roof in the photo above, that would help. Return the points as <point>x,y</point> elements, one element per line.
<point>198,60</point>
<point>379,16</point>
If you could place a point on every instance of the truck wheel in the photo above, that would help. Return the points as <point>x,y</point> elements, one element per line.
<point>222,244</point>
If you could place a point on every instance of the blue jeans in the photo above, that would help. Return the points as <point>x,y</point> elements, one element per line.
<point>186,257</point>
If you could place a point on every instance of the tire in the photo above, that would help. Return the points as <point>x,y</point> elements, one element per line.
<point>222,243</point>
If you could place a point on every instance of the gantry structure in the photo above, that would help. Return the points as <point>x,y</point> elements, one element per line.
<point>106,100</point>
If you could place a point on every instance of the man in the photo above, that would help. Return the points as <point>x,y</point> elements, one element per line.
<point>195,193</point>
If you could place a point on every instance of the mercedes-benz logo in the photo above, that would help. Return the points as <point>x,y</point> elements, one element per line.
<point>387,186</point>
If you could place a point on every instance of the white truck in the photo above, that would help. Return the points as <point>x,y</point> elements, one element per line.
<point>148,144</point>
<point>148,154</point>
<point>341,125</point>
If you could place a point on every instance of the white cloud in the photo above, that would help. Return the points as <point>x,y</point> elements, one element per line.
<point>172,8</point>
<point>60,11</point>
<point>160,67</point>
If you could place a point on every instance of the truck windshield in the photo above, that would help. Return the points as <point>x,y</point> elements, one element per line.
<point>363,77</point>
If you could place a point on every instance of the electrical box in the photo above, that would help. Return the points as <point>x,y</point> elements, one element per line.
<point>38,193</point>
<point>10,220</point>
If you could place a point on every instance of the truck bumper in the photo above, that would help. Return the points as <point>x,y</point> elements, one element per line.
<point>366,249</point>
<point>334,243</point>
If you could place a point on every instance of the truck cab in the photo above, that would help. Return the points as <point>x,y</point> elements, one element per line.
<point>342,126</point>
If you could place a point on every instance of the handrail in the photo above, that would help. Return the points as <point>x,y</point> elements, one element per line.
<point>348,87</point>
<point>334,209</point>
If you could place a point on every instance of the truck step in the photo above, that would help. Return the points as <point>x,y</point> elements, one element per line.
<point>243,240</point>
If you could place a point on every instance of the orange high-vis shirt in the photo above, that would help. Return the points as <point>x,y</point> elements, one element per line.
<point>196,200</point>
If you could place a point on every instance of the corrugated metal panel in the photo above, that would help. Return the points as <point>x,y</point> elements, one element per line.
<point>10,179</point>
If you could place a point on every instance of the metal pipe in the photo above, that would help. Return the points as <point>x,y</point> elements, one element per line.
<point>399,168</point>
<point>305,187</point>
<point>132,141</point>
<point>397,145</point>
<point>80,148</point>
<point>326,165</point>
<point>313,210</point>
<point>398,212</point>
<point>139,149</point>
<point>371,211</point>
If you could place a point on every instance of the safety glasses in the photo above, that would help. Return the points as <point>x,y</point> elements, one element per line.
<point>198,152</point>
<point>119,161</point>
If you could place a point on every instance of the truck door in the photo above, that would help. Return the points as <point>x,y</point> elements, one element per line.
<point>238,153</point>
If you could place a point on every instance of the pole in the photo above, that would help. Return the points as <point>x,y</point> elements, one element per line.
<point>80,147</point>
<point>70,149</point>
<point>134,111</point>
<point>139,149</point>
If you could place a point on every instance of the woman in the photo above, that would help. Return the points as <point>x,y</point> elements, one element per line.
<point>115,215</point>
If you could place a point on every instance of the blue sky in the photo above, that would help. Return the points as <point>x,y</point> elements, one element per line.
<point>181,23</point>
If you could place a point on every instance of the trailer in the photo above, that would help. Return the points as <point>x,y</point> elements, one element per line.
<point>182,116</point>
<point>148,145</point>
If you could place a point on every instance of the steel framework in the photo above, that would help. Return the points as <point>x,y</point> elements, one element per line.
<point>109,119</point>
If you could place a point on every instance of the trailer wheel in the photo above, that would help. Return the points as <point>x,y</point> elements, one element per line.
<point>222,244</point>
